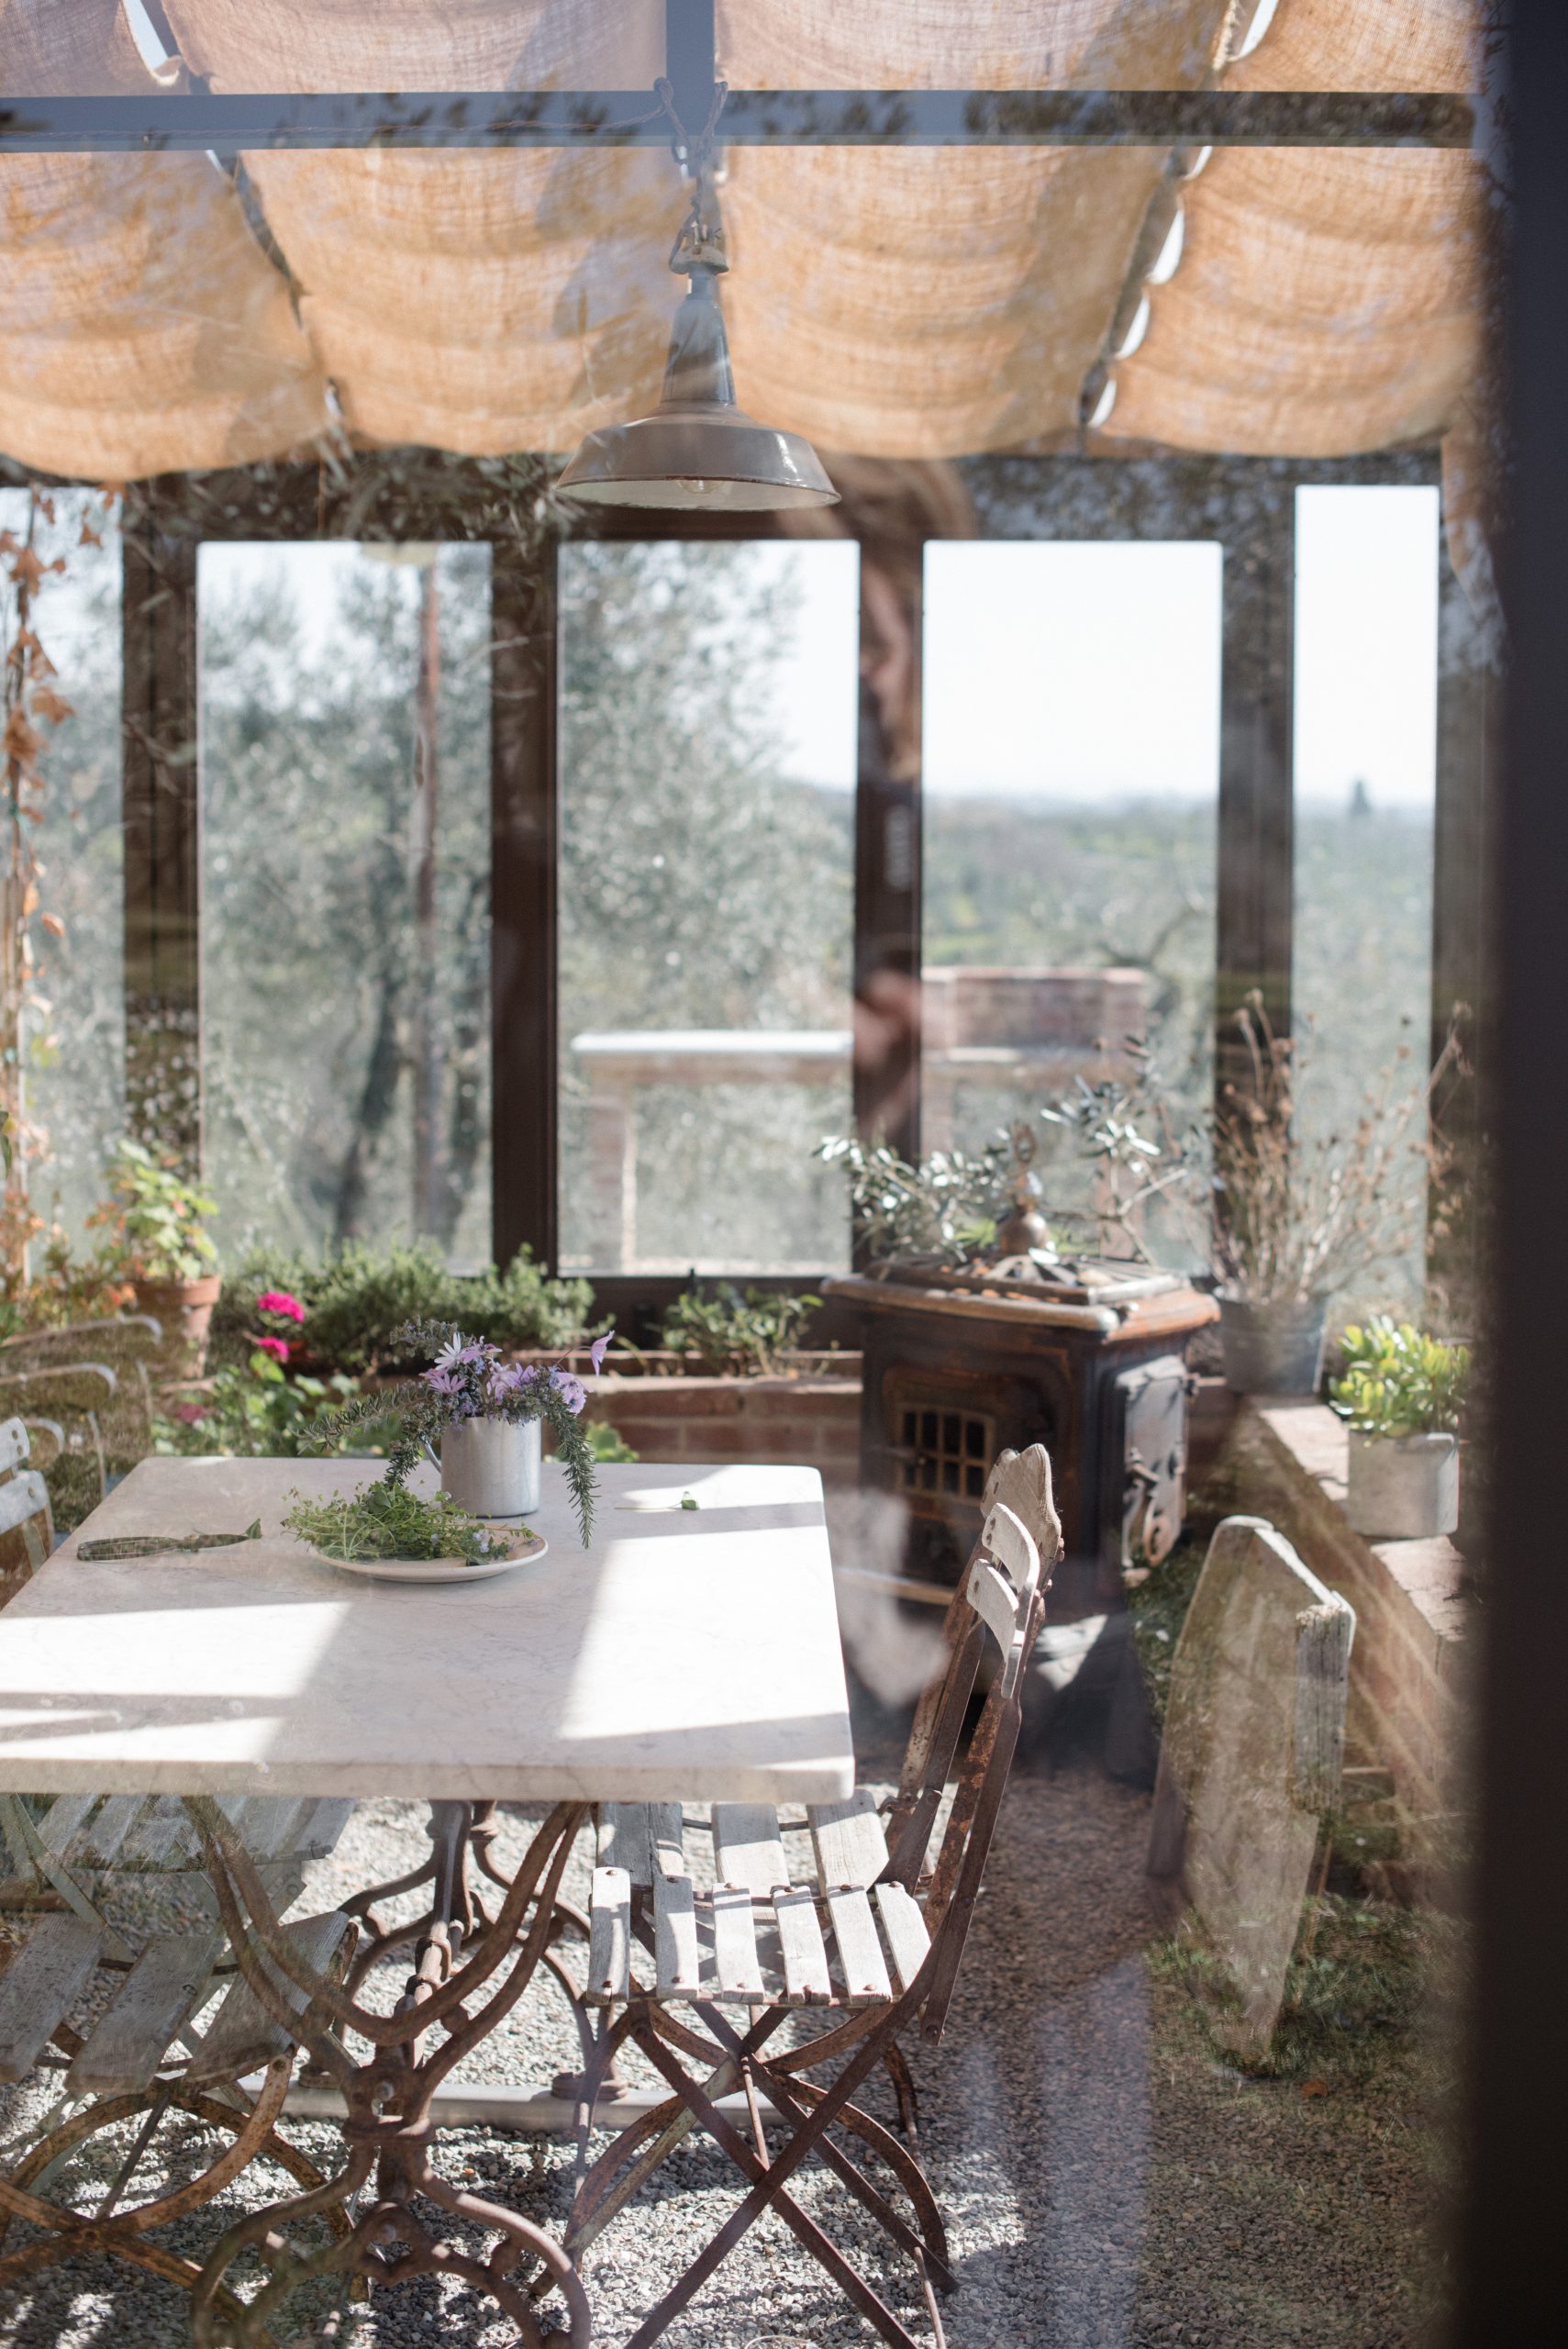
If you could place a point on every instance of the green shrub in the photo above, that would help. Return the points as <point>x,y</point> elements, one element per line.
<point>253,1411</point>
<point>729,1334</point>
<point>358,1300</point>
<point>1398,1381</point>
<point>606,1444</point>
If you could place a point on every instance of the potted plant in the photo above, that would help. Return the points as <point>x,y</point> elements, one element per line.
<point>1294,1215</point>
<point>479,1416</point>
<point>1401,1396</point>
<point>158,1220</point>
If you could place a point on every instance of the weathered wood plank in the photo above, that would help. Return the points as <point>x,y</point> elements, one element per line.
<point>323,1831</point>
<point>866,1980</point>
<point>163,1825</point>
<point>609,1943</point>
<point>243,2035</point>
<point>39,1987</point>
<point>96,1844</point>
<point>747,1847</point>
<point>60,1825</point>
<point>675,1949</point>
<point>848,1840</point>
<point>159,1994</point>
<point>807,1979</point>
<point>643,1838</point>
<point>904,1930</point>
<point>992,1598</point>
<point>734,1960</point>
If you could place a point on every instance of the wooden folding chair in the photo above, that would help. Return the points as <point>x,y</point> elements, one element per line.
<point>157,2045</point>
<point>27,1522</point>
<point>872,1936</point>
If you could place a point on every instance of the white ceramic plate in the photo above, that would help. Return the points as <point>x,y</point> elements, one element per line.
<point>525,1549</point>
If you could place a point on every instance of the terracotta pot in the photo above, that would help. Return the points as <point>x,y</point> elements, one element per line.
<point>182,1311</point>
<point>1275,1348</point>
<point>490,1467</point>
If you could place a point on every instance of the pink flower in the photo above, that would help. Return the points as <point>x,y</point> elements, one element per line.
<point>600,1348</point>
<point>190,1414</point>
<point>276,1347</point>
<point>278,1300</point>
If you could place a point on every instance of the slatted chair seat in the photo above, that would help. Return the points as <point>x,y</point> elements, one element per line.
<point>121,2035</point>
<point>843,1917</point>
<point>765,1934</point>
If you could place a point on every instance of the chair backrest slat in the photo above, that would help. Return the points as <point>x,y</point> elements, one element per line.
<point>1000,1598</point>
<point>1026,1540</point>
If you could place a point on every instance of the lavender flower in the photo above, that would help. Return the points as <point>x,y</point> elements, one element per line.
<point>572,1392</point>
<point>599,1349</point>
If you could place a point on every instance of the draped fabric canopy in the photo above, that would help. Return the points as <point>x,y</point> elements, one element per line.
<point>892,302</point>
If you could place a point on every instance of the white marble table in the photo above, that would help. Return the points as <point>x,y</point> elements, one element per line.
<point>690,1654</point>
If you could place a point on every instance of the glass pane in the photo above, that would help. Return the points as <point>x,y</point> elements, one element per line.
<point>72,1021</point>
<point>708,766</point>
<point>346,885</point>
<point>1366,655</point>
<point>1071,763</point>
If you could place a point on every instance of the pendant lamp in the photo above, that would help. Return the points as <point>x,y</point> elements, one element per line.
<point>698,451</point>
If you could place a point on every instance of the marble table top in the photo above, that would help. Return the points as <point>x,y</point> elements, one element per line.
<point>688,1654</point>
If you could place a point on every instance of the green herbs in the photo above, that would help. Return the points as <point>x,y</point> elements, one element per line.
<point>730,1335</point>
<point>158,1218</point>
<point>389,1522</point>
<point>1398,1381</point>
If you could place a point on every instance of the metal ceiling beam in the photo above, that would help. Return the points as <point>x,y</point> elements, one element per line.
<point>751,119</point>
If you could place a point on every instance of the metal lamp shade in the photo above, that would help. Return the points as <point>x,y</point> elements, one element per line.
<point>698,451</point>
<point>706,459</point>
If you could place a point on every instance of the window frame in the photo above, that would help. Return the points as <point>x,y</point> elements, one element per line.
<point>1244,504</point>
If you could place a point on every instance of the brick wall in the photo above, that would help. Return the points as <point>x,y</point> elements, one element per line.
<point>813,1422</point>
<point>1410,1654</point>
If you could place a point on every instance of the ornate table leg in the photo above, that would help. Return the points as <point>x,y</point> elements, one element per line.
<point>460,1956</point>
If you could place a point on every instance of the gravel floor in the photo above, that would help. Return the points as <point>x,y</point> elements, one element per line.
<point>1106,2180</point>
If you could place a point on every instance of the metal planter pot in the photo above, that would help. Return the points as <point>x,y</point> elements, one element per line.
<point>490,1467</point>
<point>1403,1489</point>
<point>1275,1348</point>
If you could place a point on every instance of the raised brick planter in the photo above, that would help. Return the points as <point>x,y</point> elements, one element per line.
<point>1410,1654</point>
<point>808,1421</point>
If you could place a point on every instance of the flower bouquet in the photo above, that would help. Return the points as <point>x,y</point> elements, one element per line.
<point>479,1417</point>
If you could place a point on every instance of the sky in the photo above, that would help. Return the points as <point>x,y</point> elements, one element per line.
<point>1090,672</point>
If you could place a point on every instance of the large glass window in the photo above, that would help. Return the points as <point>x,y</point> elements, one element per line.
<point>1366,653</point>
<point>346,874</point>
<point>708,766</point>
<point>1072,760</point>
<point>73,1013</point>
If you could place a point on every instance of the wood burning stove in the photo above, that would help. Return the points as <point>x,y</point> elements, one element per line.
<point>1088,1358</point>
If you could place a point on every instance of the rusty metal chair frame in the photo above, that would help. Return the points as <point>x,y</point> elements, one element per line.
<point>1005,1609</point>
<point>197,2074</point>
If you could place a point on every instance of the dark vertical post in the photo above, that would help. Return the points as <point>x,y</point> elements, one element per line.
<point>523,843</point>
<point>689,57</point>
<point>1257,816</point>
<point>1509,2285</point>
<point>162,816</point>
<point>1463,835</point>
<point>887,847</point>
